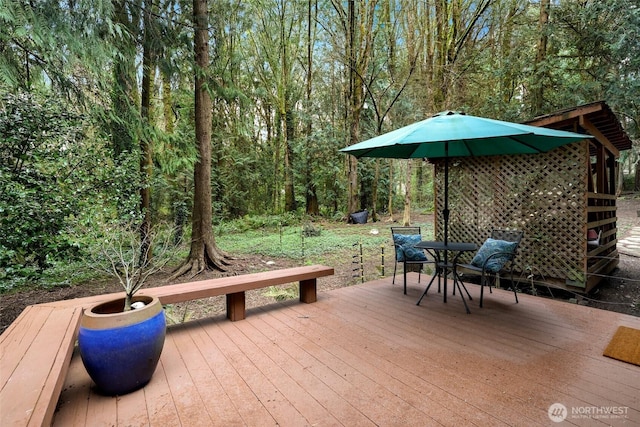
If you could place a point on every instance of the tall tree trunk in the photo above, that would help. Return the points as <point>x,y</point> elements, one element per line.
<point>289,193</point>
<point>406,218</point>
<point>374,192</point>
<point>277,166</point>
<point>441,39</point>
<point>507,83</point>
<point>204,253</point>
<point>311,197</point>
<point>354,117</point>
<point>146,146</point>
<point>390,199</point>
<point>538,92</point>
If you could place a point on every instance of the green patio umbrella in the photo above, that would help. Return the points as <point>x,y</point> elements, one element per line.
<point>454,134</point>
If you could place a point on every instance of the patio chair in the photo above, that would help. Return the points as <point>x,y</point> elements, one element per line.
<point>494,257</point>
<point>593,238</point>
<point>404,238</point>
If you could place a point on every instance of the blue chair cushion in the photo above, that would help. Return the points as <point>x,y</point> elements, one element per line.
<point>491,247</point>
<point>405,247</point>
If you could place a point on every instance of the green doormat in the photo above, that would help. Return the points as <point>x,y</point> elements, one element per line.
<point>625,345</point>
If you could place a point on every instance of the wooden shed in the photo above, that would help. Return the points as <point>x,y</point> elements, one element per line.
<point>555,198</point>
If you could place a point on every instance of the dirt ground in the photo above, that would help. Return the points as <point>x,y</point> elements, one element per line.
<point>619,292</point>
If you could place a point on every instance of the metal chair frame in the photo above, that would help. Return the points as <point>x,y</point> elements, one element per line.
<point>406,231</point>
<point>498,234</point>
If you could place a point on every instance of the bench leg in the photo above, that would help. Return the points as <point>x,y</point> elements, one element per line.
<point>308,291</point>
<point>235,306</point>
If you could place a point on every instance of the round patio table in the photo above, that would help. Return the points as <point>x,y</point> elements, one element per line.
<point>444,265</point>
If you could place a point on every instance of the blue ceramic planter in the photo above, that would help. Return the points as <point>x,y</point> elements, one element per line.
<point>121,350</point>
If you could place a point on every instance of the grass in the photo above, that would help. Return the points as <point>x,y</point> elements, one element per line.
<point>337,244</point>
<point>290,241</point>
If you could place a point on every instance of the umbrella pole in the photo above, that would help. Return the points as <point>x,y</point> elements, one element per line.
<point>445,211</point>
<point>445,215</point>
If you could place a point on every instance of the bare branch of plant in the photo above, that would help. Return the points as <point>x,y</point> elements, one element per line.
<point>122,251</point>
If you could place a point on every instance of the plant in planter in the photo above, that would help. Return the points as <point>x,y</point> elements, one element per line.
<point>121,340</point>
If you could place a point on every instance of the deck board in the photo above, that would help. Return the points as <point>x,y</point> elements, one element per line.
<point>19,337</point>
<point>281,372</point>
<point>401,382</point>
<point>74,401</point>
<point>554,358</point>
<point>49,336</point>
<point>374,338</point>
<point>102,411</point>
<point>161,408</point>
<point>235,389</point>
<point>281,346</point>
<point>367,355</point>
<point>133,410</point>
<point>216,401</point>
<point>275,400</point>
<point>351,379</point>
<point>186,396</point>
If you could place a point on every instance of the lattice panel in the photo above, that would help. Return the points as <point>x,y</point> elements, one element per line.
<point>544,195</point>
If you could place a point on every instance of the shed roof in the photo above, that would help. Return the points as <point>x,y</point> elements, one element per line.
<point>596,117</point>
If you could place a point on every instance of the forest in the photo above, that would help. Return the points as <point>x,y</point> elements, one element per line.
<point>172,115</point>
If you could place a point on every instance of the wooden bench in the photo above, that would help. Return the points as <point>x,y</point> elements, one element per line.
<point>36,349</point>
<point>234,287</point>
<point>35,352</point>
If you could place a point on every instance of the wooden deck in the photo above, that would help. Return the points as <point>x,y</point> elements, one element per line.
<point>367,355</point>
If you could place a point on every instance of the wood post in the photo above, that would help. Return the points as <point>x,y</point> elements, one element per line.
<point>235,306</point>
<point>308,291</point>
